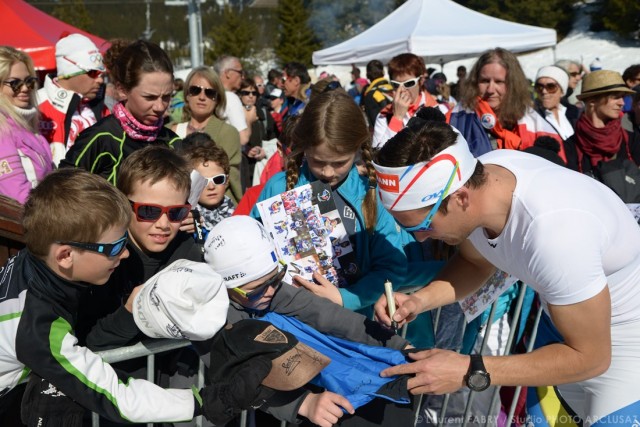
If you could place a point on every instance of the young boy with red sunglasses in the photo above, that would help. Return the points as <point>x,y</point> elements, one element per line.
<point>156,181</point>
<point>76,236</point>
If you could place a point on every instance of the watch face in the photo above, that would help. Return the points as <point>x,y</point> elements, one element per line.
<point>478,381</point>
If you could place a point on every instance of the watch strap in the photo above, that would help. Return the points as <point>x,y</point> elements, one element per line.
<point>476,364</point>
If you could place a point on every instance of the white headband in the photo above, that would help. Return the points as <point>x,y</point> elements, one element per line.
<point>420,185</point>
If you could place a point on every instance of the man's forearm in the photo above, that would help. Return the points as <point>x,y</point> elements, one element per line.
<point>549,365</point>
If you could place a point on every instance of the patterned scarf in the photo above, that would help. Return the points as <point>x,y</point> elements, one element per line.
<point>505,138</point>
<point>599,143</point>
<point>211,217</point>
<point>133,127</point>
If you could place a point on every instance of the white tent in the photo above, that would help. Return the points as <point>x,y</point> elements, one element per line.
<point>437,30</point>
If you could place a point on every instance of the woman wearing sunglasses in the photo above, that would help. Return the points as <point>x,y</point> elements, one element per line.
<point>262,129</point>
<point>204,106</point>
<point>407,72</point>
<point>25,154</point>
<point>551,85</point>
<point>143,75</point>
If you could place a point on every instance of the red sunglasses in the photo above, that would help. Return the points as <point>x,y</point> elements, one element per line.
<point>149,212</point>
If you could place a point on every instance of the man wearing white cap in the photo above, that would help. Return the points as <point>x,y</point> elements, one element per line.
<point>564,234</point>
<point>71,101</point>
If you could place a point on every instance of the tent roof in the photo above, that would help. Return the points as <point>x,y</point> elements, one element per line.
<point>437,30</point>
<point>33,31</point>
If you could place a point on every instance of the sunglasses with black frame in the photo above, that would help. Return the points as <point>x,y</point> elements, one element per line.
<point>195,90</point>
<point>108,249</point>
<point>15,84</point>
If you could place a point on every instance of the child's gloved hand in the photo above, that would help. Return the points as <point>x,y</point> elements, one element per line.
<point>44,405</point>
<point>241,390</point>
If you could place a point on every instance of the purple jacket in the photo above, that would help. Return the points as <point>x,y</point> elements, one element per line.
<point>25,159</point>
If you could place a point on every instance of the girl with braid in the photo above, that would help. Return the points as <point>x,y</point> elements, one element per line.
<point>331,134</point>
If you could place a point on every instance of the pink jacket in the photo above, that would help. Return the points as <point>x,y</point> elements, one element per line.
<point>25,159</point>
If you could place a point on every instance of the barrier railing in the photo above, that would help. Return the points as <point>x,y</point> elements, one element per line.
<point>149,348</point>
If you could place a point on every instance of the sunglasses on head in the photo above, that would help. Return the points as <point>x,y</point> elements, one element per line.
<point>331,86</point>
<point>258,292</point>
<point>248,92</point>
<point>550,87</point>
<point>197,90</point>
<point>15,84</point>
<point>426,224</point>
<point>149,212</point>
<point>406,84</point>
<point>217,179</point>
<point>107,249</point>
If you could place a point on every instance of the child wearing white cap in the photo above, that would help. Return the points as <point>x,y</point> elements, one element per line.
<point>242,252</point>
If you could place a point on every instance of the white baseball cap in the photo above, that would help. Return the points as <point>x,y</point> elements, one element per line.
<point>185,300</point>
<point>241,250</point>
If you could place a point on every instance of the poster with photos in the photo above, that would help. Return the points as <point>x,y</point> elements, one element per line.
<point>474,305</point>
<point>634,208</point>
<point>309,233</point>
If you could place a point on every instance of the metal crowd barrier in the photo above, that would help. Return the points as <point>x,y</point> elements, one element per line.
<point>150,348</point>
<point>489,419</point>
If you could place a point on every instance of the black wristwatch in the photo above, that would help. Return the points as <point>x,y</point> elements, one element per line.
<point>477,378</point>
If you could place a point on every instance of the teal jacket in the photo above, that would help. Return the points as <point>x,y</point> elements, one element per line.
<point>379,255</point>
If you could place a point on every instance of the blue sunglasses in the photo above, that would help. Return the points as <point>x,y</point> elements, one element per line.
<point>108,249</point>
<point>425,225</point>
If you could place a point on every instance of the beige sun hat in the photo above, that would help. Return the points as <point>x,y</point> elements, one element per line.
<point>602,81</point>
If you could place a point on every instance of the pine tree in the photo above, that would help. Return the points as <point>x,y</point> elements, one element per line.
<point>232,37</point>
<point>556,14</point>
<point>296,41</point>
<point>73,12</point>
<point>334,22</point>
<point>622,16</point>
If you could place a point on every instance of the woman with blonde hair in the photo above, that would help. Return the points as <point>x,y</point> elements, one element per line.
<point>25,156</point>
<point>204,105</point>
<point>495,106</point>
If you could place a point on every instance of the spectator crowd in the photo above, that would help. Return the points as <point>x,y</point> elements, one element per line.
<point>140,196</point>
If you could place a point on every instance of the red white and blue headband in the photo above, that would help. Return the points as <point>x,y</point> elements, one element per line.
<point>420,185</point>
